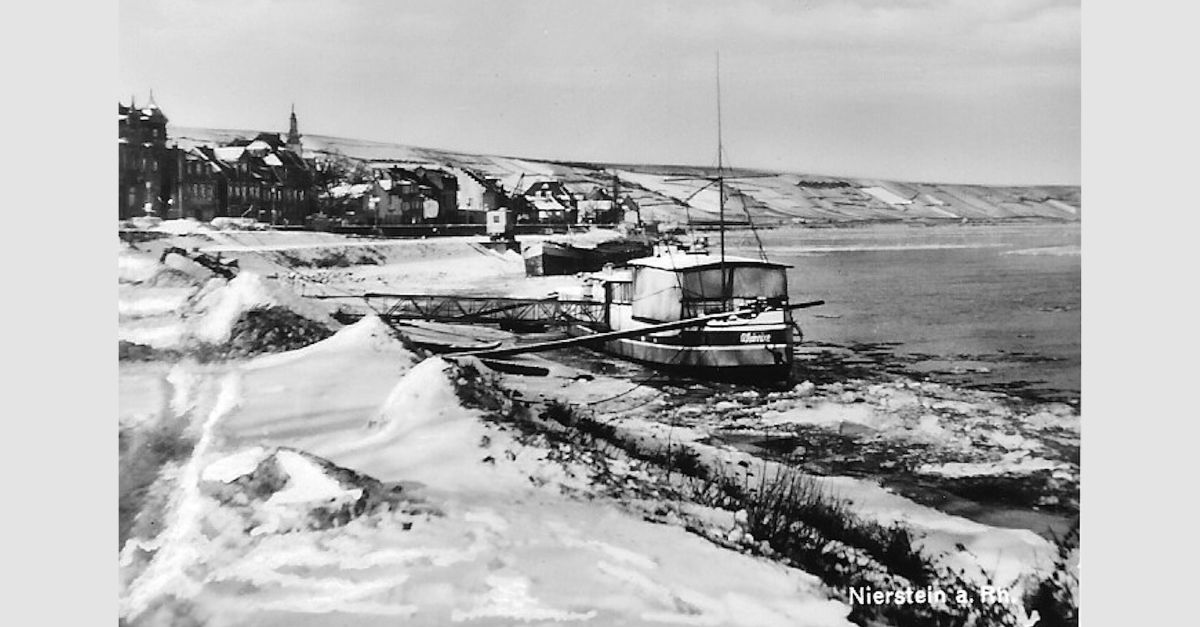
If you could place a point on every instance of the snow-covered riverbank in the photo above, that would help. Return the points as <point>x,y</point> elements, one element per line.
<point>485,520</point>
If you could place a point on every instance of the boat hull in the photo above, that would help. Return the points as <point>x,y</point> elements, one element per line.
<point>549,259</point>
<point>707,354</point>
<point>552,258</point>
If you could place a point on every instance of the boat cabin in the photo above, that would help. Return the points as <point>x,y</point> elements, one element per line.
<point>677,286</point>
<point>680,286</point>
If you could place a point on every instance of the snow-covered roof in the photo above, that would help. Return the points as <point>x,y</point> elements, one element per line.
<point>272,160</point>
<point>258,145</point>
<point>690,261</point>
<point>229,153</point>
<point>519,182</point>
<point>353,191</point>
<point>546,204</point>
<point>613,275</point>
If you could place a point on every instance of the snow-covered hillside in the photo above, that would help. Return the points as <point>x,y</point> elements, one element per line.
<point>674,194</point>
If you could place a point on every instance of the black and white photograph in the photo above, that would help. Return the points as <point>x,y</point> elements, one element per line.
<point>529,312</point>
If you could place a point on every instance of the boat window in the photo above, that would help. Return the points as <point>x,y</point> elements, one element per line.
<point>621,292</point>
<point>664,295</point>
<point>702,284</point>
<point>756,282</point>
<point>657,295</point>
<point>747,282</point>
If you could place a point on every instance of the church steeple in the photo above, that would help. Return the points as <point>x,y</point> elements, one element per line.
<point>293,138</point>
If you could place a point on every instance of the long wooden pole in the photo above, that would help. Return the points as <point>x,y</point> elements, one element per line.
<point>616,335</point>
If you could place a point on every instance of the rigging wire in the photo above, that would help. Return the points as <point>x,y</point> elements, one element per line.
<point>762,254</point>
<point>687,206</point>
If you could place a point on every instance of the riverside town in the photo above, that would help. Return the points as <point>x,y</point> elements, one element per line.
<point>670,313</point>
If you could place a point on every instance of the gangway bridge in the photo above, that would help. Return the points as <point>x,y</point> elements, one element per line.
<point>506,312</point>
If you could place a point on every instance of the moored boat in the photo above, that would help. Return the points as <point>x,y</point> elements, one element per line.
<point>663,291</point>
<point>556,258</point>
<point>553,258</point>
<point>677,286</point>
<point>623,250</point>
<point>713,316</point>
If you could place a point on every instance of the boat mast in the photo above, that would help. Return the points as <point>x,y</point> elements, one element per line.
<point>721,188</point>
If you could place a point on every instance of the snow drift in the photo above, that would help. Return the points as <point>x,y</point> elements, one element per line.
<point>274,530</point>
<point>277,490</point>
<point>246,315</point>
<point>219,305</point>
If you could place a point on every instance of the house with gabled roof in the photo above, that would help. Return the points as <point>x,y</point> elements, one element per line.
<point>201,192</point>
<point>261,178</point>
<point>477,195</point>
<point>542,199</point>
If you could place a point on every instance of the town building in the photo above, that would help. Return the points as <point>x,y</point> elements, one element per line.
<point>265,178</point>
<point>477,195</point>
<point>202,193</point>
<point>260,178</point>
<point>597,207</point>
<point>543,200</point>
<point>145,176</point>
<point>628,212</point>
<point>417,195</point>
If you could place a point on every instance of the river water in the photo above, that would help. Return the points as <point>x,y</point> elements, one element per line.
<point>994,306</point>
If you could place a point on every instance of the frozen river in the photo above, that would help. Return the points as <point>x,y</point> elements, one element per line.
<point>991,305</point>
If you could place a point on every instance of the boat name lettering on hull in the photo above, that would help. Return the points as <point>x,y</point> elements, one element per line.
<point>755,338</point>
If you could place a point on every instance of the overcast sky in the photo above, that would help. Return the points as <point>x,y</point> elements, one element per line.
<point>930,90</point>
